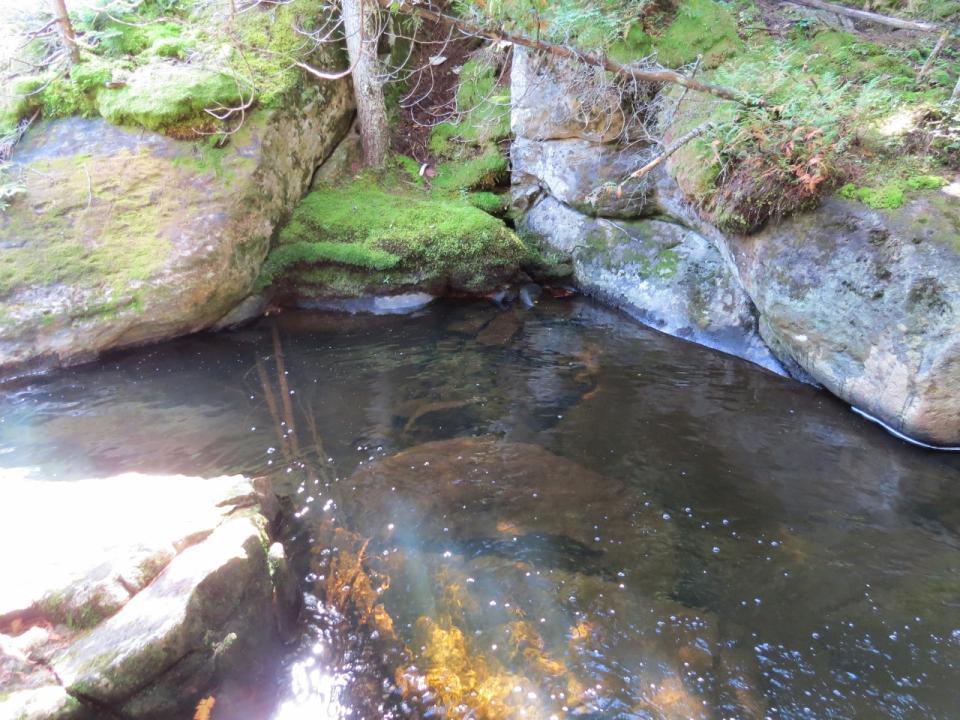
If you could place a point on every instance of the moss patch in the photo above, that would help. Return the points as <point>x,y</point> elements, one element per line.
<point>446,242</point>
<point>160,94</point>
<point>483,108</point>
<point>893,194</point>
<point>701,28</point>
<point>83,239</point>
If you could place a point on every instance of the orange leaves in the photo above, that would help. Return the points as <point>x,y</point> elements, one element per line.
<point>205,708</point>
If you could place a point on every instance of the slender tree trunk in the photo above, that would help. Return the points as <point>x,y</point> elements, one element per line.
<point>66,30</point>
<point>360,27</point>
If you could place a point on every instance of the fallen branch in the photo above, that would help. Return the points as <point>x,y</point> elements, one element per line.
<point>933,55</point>
<point>894,22</point>
<point>659,75</point>
<point>671,149</point>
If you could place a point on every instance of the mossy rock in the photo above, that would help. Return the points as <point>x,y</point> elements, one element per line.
<point>160,94</point>
<point>702,28</point>
<point>403,238</point>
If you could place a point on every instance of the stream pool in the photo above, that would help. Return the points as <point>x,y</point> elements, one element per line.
<point>562,513</point>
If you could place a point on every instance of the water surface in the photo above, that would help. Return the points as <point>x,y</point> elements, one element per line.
<point>562,514</point>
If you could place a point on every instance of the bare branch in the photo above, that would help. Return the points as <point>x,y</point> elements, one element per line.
<point>869,16</point>
<point>671,149</point>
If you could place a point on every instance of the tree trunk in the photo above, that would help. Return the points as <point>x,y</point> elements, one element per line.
<point>66,30</point>
<point>360,28</point>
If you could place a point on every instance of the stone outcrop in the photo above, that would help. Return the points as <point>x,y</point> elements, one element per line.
<point>628,246</point>
<point>137,593</point>
<point>868,303</point>
<point>663,274</point>
<point>124,236</point>
<point>862,301</point>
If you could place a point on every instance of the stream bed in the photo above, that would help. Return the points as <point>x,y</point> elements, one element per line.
<point>552,512</point>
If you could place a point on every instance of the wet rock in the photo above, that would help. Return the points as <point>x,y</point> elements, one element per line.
<point>502,329</point>
<point>868,303</point>
<point>249,309</point>
<point>664,274</point>
<point>99,251</point>
<point>483,490</point>
<point>155,587</point>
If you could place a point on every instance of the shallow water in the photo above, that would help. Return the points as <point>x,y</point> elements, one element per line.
<point>565,514</point>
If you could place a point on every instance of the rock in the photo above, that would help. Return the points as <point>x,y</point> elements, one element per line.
<point>664,274</point>
<point>248,309</point>
<point>521,499</point>
<point>125,236</point>
<point>399,304</point>
<point>582,174</point>
<point>154,587</point>
<point>544,107</point>
<point>868,303</point>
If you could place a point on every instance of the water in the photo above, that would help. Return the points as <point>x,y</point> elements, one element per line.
<point>562,514</point>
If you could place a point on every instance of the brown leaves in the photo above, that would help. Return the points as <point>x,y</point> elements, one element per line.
<point>205,708</point>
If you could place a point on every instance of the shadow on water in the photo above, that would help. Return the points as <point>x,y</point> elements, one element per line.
<point>546,512</point>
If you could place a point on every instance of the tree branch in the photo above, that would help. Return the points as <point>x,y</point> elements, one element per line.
<point>869,16</point>
<point>659,75</point>
<point>674,146</point>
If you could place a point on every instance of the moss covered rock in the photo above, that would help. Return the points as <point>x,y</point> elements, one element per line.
<point>362,239</point>
<point>662,273</point>
<point>123,237</point>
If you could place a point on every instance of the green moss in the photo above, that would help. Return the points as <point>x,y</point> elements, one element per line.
<point>885,196</point>
<point>132,36</point>
<point>161,94</point>
<point>171,47</point>
<point>925,182</point>
<point>363,226</point>
<point>482,172</point>
<point>633,46</point>
<point>271,45</point>
<point>78,240</point>
<point>483,112</point>
<point>701,28</point>
<point>488,202</point>
<point>892,194</point>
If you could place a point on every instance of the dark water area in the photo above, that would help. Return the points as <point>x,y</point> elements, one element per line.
<point>564,514</point>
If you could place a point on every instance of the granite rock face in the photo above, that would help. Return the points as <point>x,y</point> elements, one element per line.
<point>868,303</point>
<point>629,246</point>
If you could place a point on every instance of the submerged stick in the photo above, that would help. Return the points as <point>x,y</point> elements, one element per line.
<point>284,391</point>
<point>272,407</point>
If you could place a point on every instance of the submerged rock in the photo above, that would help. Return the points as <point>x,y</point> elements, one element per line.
<point>138,593</point>
<point>126,236</point>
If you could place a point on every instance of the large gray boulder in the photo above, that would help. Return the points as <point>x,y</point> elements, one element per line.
<point>660,272</point>
<point>138,593</point>
<point>552,99</point>
<point>591,178</point>
<point>868,303</point>
<point>124,236</point>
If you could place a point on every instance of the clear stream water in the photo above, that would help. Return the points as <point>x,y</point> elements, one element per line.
<point>564,514</point>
